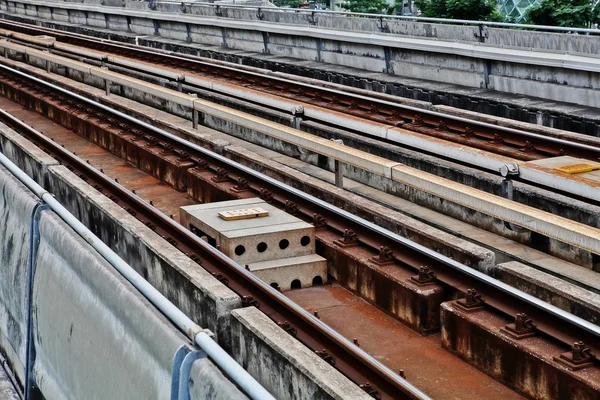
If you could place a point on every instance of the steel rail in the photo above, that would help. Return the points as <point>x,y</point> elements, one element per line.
<point>350,359</point>
<point>193,331</point>
<point>450,271</point>
<point>551,320</point>
<point>422,121</point>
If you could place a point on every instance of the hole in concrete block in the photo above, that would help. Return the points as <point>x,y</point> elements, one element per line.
<point>283,244</point>
<point>261,247</point>
<point>275,285</point>
<point>305,241</point>
<point>317,281</point>
<point>239,250</point>
<point>296,284</point>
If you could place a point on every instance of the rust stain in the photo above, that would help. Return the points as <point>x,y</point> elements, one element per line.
<point>425,363</point>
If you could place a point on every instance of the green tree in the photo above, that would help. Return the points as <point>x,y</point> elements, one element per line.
<point>288,3</point>
<point>568,13</point>
<point>460,9</point>
<point>368,6</point>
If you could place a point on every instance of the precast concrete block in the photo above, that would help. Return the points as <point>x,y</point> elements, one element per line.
<point>274,245</point>
<point>293,272</point>
<point>277,235</point>
<point>173,30</point>
<point>96,19</point>
<point>77,17</point>
<point>58,14</point>
<point>354,61</point>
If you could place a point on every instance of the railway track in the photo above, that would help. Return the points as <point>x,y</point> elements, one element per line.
<point>514,143</point>
<point>121,133</point>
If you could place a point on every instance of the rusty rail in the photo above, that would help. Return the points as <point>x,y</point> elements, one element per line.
<point>505,141</point>
<point>350,360</point>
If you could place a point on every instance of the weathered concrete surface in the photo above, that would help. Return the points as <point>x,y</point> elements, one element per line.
<point>16,205</point>
<point>91,329</point>
<point>525,194</point>
<point>198,384</point>
<point>248,154</point>
<point>282,364</point>
<point>29,158</point>
<point>7,390</point>
<point>419,70</point>
<point>95,335</point>
<point>553,290</point>
<point>526,365</point>
<point>206,383</point>
<point>461,33</point>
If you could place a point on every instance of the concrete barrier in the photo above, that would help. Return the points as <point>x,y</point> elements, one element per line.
<point>556,291</point>
<point>283,365</point>
<point>200,295</point>
<point>187,284</point>
<point>16,205</point>
<point>93,333</point>
<point>462,62</point>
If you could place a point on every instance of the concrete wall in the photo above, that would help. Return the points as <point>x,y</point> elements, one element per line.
<point>463,33</point>
<point>95,336</point>
<point>261,345</point>
<point>432,60</point>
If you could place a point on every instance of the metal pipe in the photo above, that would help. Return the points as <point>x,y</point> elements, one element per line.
<point>31,390</point>
<point>182,321</point>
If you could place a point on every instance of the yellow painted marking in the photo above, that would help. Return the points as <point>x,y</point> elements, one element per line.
<point>577,168</point>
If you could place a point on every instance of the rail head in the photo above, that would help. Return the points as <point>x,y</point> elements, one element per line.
<point>403,386</point>
<point>376,230</point>
<point>428,115</point>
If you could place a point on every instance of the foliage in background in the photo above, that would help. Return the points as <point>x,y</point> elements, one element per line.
<point>368,6</point>
<point>460,9</point>
<point>568,13</point>
<point>288,3</point>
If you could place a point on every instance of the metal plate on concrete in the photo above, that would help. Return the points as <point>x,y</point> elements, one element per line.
<point>571,165</point>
